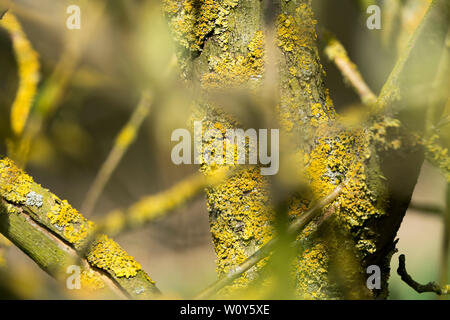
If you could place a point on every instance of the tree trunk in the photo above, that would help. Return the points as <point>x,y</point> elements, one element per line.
<point>221,46</point>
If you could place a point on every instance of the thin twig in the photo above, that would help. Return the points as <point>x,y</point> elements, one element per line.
<point>153,207</point>
<point>156,206</point>
<point>293,229</point>
<point>51,232</point>
<point>4,7</point>
<point>420,288</point>
<point>28,65</point>
<point>336,52</point>
<point>401,81</point>
<point>123,141</point>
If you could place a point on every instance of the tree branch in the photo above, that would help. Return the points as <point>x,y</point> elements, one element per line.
<point>336,52</point>
<point>420,288</point>
<point>52,233</point>
<point>153,207</point>
<point>426,208</point>
<point>294,229</point>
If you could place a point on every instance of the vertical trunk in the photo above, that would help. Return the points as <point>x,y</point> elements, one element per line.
<point>221,46</point>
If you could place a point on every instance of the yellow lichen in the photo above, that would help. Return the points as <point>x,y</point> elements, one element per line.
<point>239,209</point>
<point>230,71</point>
<point>74,226</point>
<point>28,63</point>
<point>108,255</point>
<point>385,133</point>
<point>312,272</point>
<point>298,30</point>
<point>126,136</point>
<point>15,185</point>
<point>191,21</point>
<point>91,280</point>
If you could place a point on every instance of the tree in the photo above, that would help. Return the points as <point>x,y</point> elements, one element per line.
<point>342,189</point>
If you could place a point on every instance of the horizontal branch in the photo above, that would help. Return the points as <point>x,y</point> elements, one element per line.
<point>52,233</point>
<point>336,52</point>
<point>153,207</point>
<point>403,89</point>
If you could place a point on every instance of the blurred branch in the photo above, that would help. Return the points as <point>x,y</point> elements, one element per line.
<point>52,233</point>
<point>364,4</point>
<point>4,244</point>
<point>294,229</point>
<point>336,52</point>
<point>53,88</point>
<point>156,206</point>
<point>123,141</point>
<point>444,122</point>
<point>420,288</point>
<point>403,81</point>
<point>427,208</point>
<point>28,65</point>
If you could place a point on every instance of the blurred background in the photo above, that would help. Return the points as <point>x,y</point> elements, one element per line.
<point>124,47</point>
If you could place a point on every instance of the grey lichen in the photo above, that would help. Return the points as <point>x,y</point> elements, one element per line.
<point>34,199</point>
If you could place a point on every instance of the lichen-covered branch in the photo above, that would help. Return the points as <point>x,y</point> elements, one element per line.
<point>28,63</point>
<point>405,91</point>
<point>123,141</point>
<point>53,233</point>
<point>153,207</point>
<point>221,46</point>
<point>295,227</point>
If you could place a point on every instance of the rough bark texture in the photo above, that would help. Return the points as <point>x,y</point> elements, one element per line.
<point>221,45</point>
